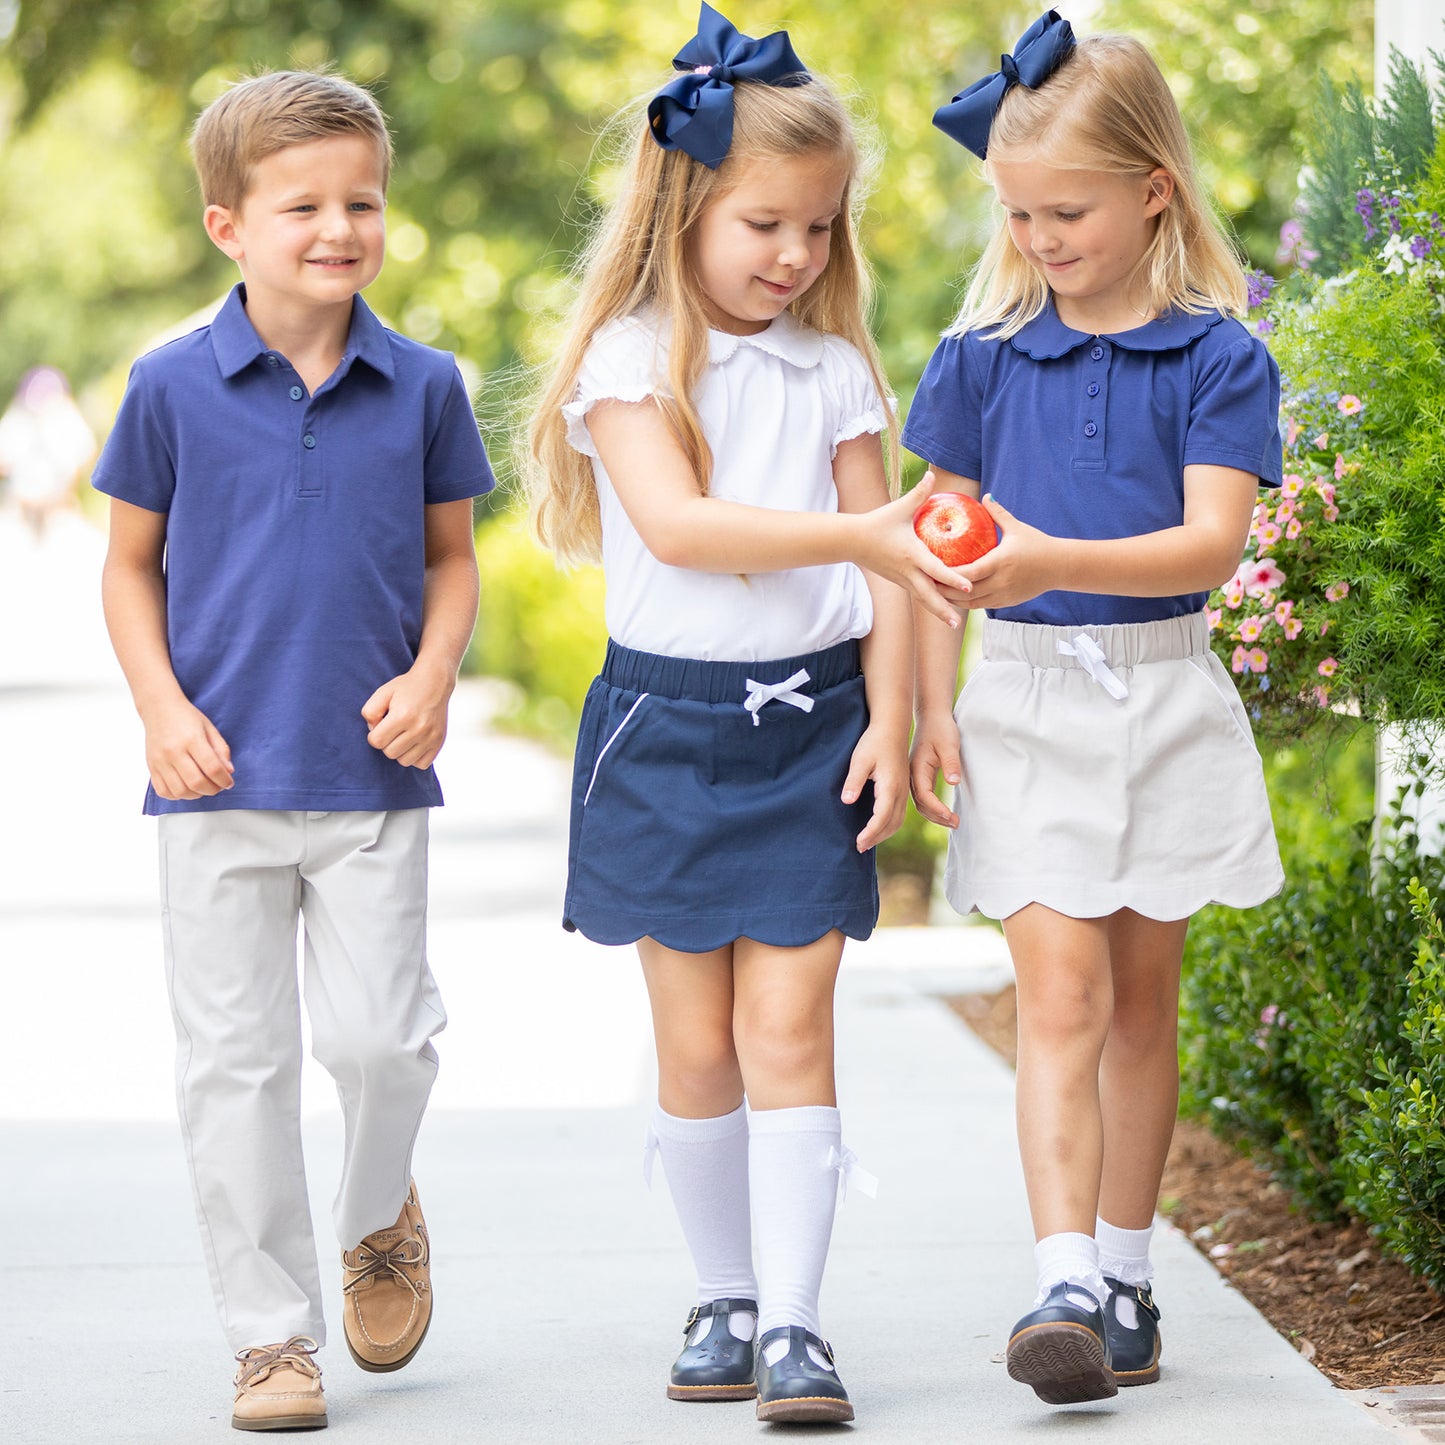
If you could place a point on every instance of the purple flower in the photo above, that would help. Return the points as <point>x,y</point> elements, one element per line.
<point>1365,209</point>
<point>1419,247</point>
<point>1260,284</point>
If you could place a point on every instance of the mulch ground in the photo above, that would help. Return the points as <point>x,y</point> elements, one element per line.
<point>1362,1319</point>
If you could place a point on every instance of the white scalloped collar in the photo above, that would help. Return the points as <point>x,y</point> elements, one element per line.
<point>786,338</point>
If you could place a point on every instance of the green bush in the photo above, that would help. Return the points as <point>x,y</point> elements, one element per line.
<point>1309,1039</point>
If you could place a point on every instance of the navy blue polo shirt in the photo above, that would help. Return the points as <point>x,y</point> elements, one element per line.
<point>295,543</point>
<point>1088,436</point>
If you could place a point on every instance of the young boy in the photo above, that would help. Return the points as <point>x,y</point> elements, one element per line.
<point>290,587</point>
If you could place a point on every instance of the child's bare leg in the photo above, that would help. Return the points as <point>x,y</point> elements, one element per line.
<point>692,1026</point>
<point>1139,1072</point>
<point>1065,1000</point>
<point>784,1021</point>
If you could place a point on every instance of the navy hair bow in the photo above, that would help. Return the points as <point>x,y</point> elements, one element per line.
<point>694,112</point>
<point>1042,48</point>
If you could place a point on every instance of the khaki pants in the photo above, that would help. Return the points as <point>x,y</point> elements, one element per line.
<point>233,885</point>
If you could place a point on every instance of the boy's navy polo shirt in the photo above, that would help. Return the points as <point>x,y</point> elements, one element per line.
<point>295,544</point>
<point>1088,436</point>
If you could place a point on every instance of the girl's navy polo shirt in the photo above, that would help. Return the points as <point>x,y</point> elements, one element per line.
<point>1088,436</point>
<point>295,543</point>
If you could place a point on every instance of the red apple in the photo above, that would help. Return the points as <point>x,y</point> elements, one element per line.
<point>955,527</point>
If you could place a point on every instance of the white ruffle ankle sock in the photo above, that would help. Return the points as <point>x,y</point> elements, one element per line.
<point>1071,1259</point>
<point>1124,1255</point>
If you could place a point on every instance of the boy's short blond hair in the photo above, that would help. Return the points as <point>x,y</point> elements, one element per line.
<point>266,113</point>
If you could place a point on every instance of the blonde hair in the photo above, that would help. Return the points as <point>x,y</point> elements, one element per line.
<point>1107,108</point>
<point>639,255</point>
<point>261,115</point>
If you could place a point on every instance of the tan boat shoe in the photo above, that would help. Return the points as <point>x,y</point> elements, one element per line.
<point>278,1387</point>
<point>386,1291</point>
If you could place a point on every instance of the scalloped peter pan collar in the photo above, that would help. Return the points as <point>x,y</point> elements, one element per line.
<point>1046,338</point>
<point>786,338</point>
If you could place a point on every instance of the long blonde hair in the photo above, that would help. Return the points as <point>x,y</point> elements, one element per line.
<point>1107,108</point>
<point>639,255</point>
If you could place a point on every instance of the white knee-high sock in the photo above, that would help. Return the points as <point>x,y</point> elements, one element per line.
<point>792,1163</point>
<point>706,1162</point>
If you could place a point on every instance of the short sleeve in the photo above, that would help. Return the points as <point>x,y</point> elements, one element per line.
<point>138,463</point>
<point>944,423</point>
<point>456,461</point>
<point>1234,410</point>
<point>860,408</point>
<point>624,362</point>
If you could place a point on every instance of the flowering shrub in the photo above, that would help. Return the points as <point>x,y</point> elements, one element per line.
<point>1273,623</point>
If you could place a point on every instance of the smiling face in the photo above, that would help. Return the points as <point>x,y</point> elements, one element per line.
<point>759,245</point>
<point>1085,232</point>
<point>310,232</point>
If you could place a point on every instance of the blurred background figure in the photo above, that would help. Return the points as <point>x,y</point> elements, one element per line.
<point>45,444</point>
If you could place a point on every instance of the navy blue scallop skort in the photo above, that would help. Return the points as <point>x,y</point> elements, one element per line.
<point>699,817</point>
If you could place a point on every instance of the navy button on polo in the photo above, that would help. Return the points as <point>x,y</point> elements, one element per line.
<point>297,393</point>
<point>1090,430</point>
<point>1097,353</point>
<point>273,361</point>
<point>308,441</point>
<point>1092,388</point>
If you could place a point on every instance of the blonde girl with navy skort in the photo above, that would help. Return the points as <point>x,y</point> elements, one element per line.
<point>712,430</point>
<point>1098,389</point>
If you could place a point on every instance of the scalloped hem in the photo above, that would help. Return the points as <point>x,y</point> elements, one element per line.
<point>574,413</point>
<point>689,939</point>
<point>1001,899</point>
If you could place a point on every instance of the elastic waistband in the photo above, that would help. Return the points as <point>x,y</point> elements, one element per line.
<point>1124,644</point>
<point>716,682</point>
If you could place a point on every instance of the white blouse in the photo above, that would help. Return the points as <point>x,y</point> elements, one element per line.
<point>774,407</point>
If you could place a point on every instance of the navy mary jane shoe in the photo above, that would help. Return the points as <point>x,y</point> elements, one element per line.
<point>1135,1348</point>
<point>719,1366</point>
<point>795,1387</point>
<point>1063,1352</point>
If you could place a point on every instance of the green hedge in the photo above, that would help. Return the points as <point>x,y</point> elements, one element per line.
<point>1313,1033</point>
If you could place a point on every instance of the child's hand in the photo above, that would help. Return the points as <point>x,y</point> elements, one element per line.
<point>407,716</point>
<point>874,757</point>
<point>1019,568</point>
<point>187,757</point>
<point>892,550</point>
<point>935,750</point>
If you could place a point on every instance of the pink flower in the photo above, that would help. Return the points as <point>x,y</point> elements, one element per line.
<point>1282,612</point>
<point>1250,629</point>
<point>1285,510</point>
<point>1292,486</point>
<point>1321,441</point>
<point>1291,432</point>
<point>1261,575</point>
<point>1214,616</point>
<point>1326,490</point>
<point>1328,667</point>
<point>1331,512</point>
<point>1257,659</point>
<point>1236,661</point>
<point>1324,628</point>
<point>1350,405</point>
<point>1339,466</point>
<point>1293,628</point>
<point>1294,529</point>
<point>1268,1014</point>
<point>1322,696</point>
<point>1337,591</point>
<point>1267,535</point>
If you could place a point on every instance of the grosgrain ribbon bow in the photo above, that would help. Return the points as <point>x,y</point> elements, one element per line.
<point>1042,48</point>
<point>694,112</point>
<point>762,693</point>
<point>1091,658</point>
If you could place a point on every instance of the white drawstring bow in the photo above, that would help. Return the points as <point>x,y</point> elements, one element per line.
<point>762,693</point>
<point>1091,658</point>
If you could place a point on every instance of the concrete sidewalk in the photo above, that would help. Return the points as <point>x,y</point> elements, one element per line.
<point>561,1283</point>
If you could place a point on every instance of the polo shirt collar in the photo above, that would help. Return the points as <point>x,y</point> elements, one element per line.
<point>1046,337</point>
<point>786,338</point>
<point>236,344</point>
